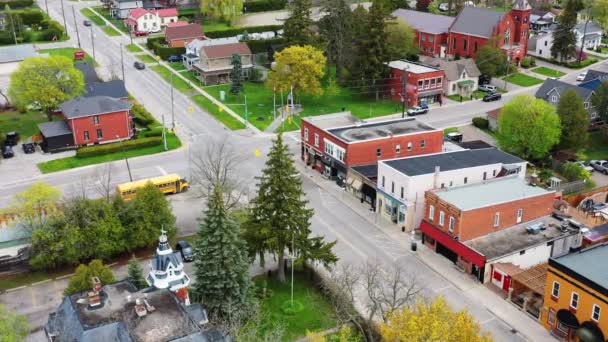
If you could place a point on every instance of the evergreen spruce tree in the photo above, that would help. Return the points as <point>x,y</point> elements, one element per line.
<point>221,266</point>
<point>374,47</point>
<point>564,40</point>
<point>236,75</point>
<point>136,274</point>
<point>336,28</point>
<point>279,217</point>
<point>296,29</point>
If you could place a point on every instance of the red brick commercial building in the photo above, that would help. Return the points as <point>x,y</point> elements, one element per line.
<point>503,220</point>
<point>423,84</point>
<point>333,143</point>
<point>472,29</point>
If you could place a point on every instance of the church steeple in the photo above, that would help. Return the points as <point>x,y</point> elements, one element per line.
<point>167,269</point>
<point>521,5</point>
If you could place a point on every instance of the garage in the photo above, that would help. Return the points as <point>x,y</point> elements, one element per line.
<point>56,136</point>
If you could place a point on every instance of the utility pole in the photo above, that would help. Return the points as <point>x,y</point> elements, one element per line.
<point>126,159</point>
<point>403,91</point>
<point>122,64</point>
<point>164,133</point>
<point>64,22</point>
<point>76,26</point>
<point>580,53</point>
<point>282,109</point>
<point>246,112</point>
<point>13,26</point>
<point>172,107</point>
<point>92,41</point>
<point>46,4</point>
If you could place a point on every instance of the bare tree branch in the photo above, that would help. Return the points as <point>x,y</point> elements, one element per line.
<point>103,180</point>
<point>7,103</point>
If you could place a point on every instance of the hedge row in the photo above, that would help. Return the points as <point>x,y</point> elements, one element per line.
<point>142,116</point>
<point>155,132</point>
<point>30,16</point>
<point>97,150</point>
<point>16,4</point>
<point>156,44</point>
<point>240,30</point>
<point>263,5</point>
<point>262,45</point>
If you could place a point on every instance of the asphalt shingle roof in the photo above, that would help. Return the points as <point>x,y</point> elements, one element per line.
<point>54,129</point>
<point>593,74</point>
<point>184,32</point>
<point>476,21</point>
<point>453,69</point>
<point>560,87</point>
<point>422,165</point>
<point>425,22</point>
<point>85,106</point>
<point>115,89</point>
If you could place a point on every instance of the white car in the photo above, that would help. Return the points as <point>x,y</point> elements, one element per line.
<point>581,76</point>
<point>585,167</point>
<point>488,88</point>
<point>443,7</point>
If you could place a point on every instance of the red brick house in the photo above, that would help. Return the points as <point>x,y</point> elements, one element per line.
<point>471,29</point>
<point>503,220</point>
<point>87,121</point>
<point>424,83</point>
<point>179,36</point>
<point>333,143</point>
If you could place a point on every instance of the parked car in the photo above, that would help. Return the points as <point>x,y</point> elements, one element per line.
<point>585,166</point>
<point>600,165</point>
<point>417,110</point>
<point>141,33</point>
<point>86,23</point>
<point>7,152</point>
<point>488,88</point>
<point>12,138</point>
<point>492,97</point>
<point>581,76</point>
<point>444,7</point>
<point>139,65</point>
<point>28,148</point>
<point>183,247</point>
<point>174,59</point>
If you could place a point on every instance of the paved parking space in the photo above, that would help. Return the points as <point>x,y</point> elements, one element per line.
<point>22,167</point>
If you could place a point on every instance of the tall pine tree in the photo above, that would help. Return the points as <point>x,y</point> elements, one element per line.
<point>564,39</point>
<point>336,28</point>
<point>279,217</point>
<point>236,75</point>
<point>221,265</point>
<point>296,29</point>
<point>135,274</point>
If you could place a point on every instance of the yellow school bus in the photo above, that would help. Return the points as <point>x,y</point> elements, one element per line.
<point>169,184</point>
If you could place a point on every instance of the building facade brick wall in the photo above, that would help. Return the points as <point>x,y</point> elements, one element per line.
<point>113,126</point>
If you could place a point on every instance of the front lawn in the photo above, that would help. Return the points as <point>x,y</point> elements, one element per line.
<point>110,31</point>
<point>173,142</point>
<point>260,102</point>
<point>522,80</point>
<point>24,123</point>
<point>597,148</point>
<point>228,120</point>
<point>67,52</point>
<point>134,48</point>
<point>316,314</point>
<point>165,73</point>
<point>177,66</point>
<point>106,14</point>
<point>146,58</point>
<point>97,20</point>
<point>548,72</point>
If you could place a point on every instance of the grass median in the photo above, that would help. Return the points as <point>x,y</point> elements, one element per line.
<point>134,48</point>
<point>173,142</point>
<point>94,18</point>
<point>146,58</point>
<point>548,72</point>
<point>110,31</point>
<point>228,120</point>
<point>165,73</point>
<point>522,80</point>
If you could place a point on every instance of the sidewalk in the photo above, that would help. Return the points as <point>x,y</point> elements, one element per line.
<point>503,310</point>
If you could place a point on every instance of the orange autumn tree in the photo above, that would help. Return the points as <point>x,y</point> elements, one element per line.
<point>432,321</point>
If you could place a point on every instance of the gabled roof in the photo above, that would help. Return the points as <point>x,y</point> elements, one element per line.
<point>424,22</point>
<point>184,32</point>
<point>114,88</point>
<point>453,69</point>
<point>165,12</point>
<point>593,84</point>
<point>476,21</point>
<point>88,71</point>
<point>177,23</point>
<point>86,106</point>
<point>592,28</point>
<point>596,74</point>
<point>560,87</point>
<point>226,50</point>
<point>54,129</point>
<point>136,13</point>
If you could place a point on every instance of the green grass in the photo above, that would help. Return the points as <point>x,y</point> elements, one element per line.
<point>177,66</point>
<point>192,78</point>
<point>173,142</point>
<point>316,315</point>
<point>597,148</point>
<point>67,52</point>
<point>106,14</point>
<point>228,120</point>
<point>548,72</point>
<point>134,48</point>
<point>215,24</point>
<point>260,101</point>
<point>522,80</point>
<point>24,123</point>
<point>450,130</point>
<point>97,20</point>
<point>110,31</point>
<point>178,83</point>
<point>146,58</point>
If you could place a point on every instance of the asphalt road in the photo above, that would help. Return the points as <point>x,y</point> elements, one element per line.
<point>358,240</point>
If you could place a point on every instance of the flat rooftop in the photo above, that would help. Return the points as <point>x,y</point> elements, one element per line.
<point>340,119</point>
<point>588,263</point>
<point>495,191</point>
<point>414,68</point>
<point>448,161</point>
<point>514,239</point>
<point>378,130</point>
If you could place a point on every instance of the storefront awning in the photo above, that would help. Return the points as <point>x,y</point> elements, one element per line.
<point>590,332</point>
<point>357,184</point>
<point>465,83</point>
<point>567,318</point>
<point>453,245</point>
<point>430,92</point>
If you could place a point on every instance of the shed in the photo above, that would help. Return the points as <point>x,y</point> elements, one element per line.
<point>56,136</point>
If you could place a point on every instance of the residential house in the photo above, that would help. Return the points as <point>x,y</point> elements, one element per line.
<point>461,76</point>
<point>552,89</point>
<point>504,220</point>
<point>576,295</point>
<point>88,71</point>
<point>193,49</point>
<point>423,83</point>
<point>431,30</point>
<point>115,89</point>
<point>167,270</point>
<point>179,36</point>
<point>402,182</point>
<point>215,64</point>
<point>142,20</point>
<point>595,75</point>
<point>88,120</point>
<point>177,23</point>
<point>331,145</point>
<point>439,35</point>
<point>541,19</point>
<point>120,8</point>
<point>492,117</point>
<point>541,43</point>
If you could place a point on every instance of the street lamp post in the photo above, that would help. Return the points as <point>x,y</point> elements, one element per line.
<point>125,155</point>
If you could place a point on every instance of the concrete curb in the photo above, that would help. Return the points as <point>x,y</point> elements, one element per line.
<point>16,288</point>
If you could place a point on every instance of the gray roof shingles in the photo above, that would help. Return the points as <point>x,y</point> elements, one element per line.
<point>86,106</point>
<point>422,165</point>
<point>475,21</point>
<point>560,87</point>
<point>54,129</point>
<point>425,22</point>
<point>114,88</point>
<point>593,74</point>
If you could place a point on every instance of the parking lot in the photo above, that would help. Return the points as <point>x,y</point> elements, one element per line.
<point>22,167</point>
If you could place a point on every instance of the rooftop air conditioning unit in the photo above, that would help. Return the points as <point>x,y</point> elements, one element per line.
<point>534,228</point>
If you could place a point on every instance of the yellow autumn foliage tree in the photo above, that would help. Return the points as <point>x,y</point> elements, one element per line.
<point>300,67</point>
<point>433,321</point>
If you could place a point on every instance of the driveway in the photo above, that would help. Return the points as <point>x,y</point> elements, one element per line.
<point>22,167</point>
